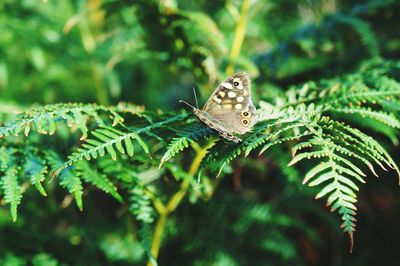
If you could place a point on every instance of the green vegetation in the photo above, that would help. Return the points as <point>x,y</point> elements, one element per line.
<point>89,115</point>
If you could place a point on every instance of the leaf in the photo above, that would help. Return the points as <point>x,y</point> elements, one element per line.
<point>108,141</point>
<point>73,184</point>
<point>177,145</point>
<point>12,190</point>
<point>99,180</point>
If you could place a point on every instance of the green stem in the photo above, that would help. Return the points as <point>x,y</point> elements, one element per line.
<point>157,236</point>
<point>239,36</point>
<point>174,201</point>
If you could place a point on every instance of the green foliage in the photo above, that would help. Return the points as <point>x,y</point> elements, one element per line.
<point>140,205</point>
<point>326,84</point>
<point>302,117</point>
<point>68,179</point>
<point>43,259</point>
<point>190,134</point>
<point>44,119</point>
<point>12,190</point>
<point>36,170</point>
<point>107,140</point>
<point>89,175</point>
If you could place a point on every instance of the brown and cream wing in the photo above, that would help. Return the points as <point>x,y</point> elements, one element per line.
<point>232,94</point>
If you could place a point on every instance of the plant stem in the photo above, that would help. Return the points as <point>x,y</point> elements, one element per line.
<point>239,36</point>
<point>174,202</point>
<point>157,236</point>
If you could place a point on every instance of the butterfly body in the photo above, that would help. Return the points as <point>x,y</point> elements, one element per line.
<point>230,110</point>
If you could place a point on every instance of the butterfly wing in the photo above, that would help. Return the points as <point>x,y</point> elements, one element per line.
<point>231,105</point>
<point>217,125</point>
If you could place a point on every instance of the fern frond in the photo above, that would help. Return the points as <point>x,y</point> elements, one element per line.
<point>338,187</point>
<point>374,146</point>
<point>108,141</point>
<point>9,173</point>
<point>12,190</point>
<point>214,153</point>
<point>6,158</point>
<point>118,169</point>
<point>174,147</point>
<point>335,144</point>
<point>36,170</point>
<point>187,136</point>
<point>258,137</point>
<point>386,118</point>
<point>355,93</point>
<point>44,119</point>
<point>362,146</point>
<point>341,149</point>
<point>141,205</point>
<point>232,153</point>
<point>99,180</point>
<point>73,184</point>
<point>68,178</point>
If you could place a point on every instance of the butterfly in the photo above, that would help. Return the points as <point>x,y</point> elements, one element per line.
<point>229,110</point>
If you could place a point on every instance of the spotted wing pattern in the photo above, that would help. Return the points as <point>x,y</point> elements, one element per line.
<point>230,110</point>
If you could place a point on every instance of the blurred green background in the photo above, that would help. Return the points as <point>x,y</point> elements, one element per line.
<point>152,53</point>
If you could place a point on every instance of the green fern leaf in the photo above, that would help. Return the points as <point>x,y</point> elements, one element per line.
<point>87,173</point>
<point>36,170</point>
<point>188,135</point>
<point>141,205</point>
<point>44,119</point>
<point>73,184</point>
<point>68,178</point>
<point>12,190</point>
<point>108,139</point>
<point>387,119</point>
<point>176,145</point>
<point>6,157</point>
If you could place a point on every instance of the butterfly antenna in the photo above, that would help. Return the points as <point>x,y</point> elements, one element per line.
<point>195,97</point>
<point>181,101</point>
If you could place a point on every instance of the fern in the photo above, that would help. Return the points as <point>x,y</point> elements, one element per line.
<point>99,180</point>
<point>36,171</point>
<point>12,190</point>
<point>188,135</point>
<point>119,169</point>
<point>336,171</point>
<point>68,178</point>
<point>108,141</point>
<point>9,175</point>
<point>140,205</point>
<point>6,159</point>
<point>44,119</point>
